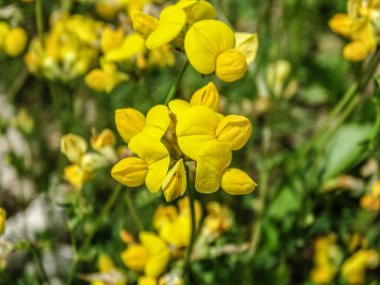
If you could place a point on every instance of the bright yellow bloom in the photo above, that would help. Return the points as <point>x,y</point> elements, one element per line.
<point>199,128</point>
<point>353,269</point>
<point>130,122</point>
<point>212,172</point>
<point>197,10</point>
<point>206,96</point>
<point>15,41</point>
<point>73,146</point>
<point>152,256</point>
<point>231,65</point>
<point>150,166</point>
<point>172,20</point>
<point>174,185</point>
<point>3,218</point>
<point>76,175</point>
<point>111,39</point>
<point>143,23</point>
<point>106,78</point>
<point>132,45</point>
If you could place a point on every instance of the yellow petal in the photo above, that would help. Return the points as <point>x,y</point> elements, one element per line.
<point>105,139</point>
<point>340,24</point>
<point>135,257</point>
<point>236,182</point>
<point>247,44</point>
<point>174,184</point>
<point>73,147</point>
<point>172,20</point>
<point>75,175</point>
<point>155,155</point>
<point>105,263</point>
<point>157,121</point>
<point>146,280</point>
<point>206,96</point>
<point>234,130</point>
<point>130,171</point>
<point>204,41</point>
<point>131,46</point>
<point>143,23</point>
<point>231,65</point>
<point>111,39</point>
<point>178,107</point>
<point>197,10</point>
<point>3,218</point>
<point>210,166</point>
<point>159,254</point>
<point>355,51</point>
<point>196,130</point>
<point>129,122</point>
<point>15,41</point>
<point>164,215</point>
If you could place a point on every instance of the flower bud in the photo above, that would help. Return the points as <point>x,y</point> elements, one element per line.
<point>206,96</point>
<point>236,182</point>
<point>73,147</point>
<point>174,184</point>
<point>129,122</point>
<point>15,41</point>
<point>234,130</point>
<point>231,65</point>
<point>130,171</point>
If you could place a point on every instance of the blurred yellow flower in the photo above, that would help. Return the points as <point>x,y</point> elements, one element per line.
<point>111,39</point>
<point>3,218</point>
<point>152,256</point>
<point>132,45</point>
<point>74,147</point>
<point>146,280</point>
<point>353,268</point>
<point>143,23</point>
<point>15,41</point>
<point>108,273</point>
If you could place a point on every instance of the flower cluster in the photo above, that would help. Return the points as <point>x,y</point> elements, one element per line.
<point>210,45</point>
<point>193,133</point>
<point>360,25</point>
<point>13,40</point>
<point>85,163</point>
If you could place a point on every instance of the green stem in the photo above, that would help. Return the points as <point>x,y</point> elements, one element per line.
<point>37,256</point>
<point>190,193</point>
<point>40,21</point>
<point>174,88</point>
<point>132,210</point>
<point>109,204</point>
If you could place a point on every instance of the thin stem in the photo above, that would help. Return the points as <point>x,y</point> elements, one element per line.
<point>40,21</point>
<point>109,204</point>
<point>174,88</point>
<point>190,193</point>
<point>37,256</point>
<point>132,210</point>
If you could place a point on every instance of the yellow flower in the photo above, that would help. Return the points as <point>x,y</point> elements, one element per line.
<point>197,10</point>
<point>76,175</point>
<point>204,41</point>
<point>143,23</point>
<point>340,24</point>
<point>108,9</point>
<point>130,122</point>
<point>73,147</point>
<point>172,20</point>
<point>150,166</point>
<point>212,172</point>
<point>206,96</point>
<point>132,45</point>
<point>111,39</point>
<point>4,30</point>
<point>199,128</point>
<point>174,185</point>
<point>15,41</point>
<point>3,218</point>
<point>353,269</point>
<point>152,256</point>
<point>231,65</point>
<point>218,219</point>
<point>105,139</point>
